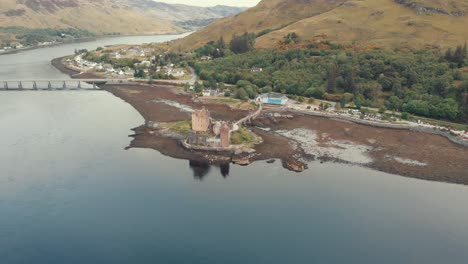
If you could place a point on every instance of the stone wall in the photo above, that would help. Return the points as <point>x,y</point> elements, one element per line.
<point>186,145</point>
<point>196,139</point>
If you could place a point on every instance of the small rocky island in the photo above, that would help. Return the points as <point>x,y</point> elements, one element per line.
<point>220,140</point>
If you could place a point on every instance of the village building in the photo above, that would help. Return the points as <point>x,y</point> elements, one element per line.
<point>143,64</point>
<point>108,68</point>
<point>272,98</point>
<point>116,55</point>
<point>178,72</point>
<point>78,59</point>
<point>205,58</point>
<point>208,93</point>
<point>256,69</point>
<point>129,71</point>
<point>201,120</point>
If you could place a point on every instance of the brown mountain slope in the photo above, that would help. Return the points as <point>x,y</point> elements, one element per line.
<point>268,14</point>
<point>383,23</point>
<point>101,16</point>
<point>387,23</point>
<point>107,16</point>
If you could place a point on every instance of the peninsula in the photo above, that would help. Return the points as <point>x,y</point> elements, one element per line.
<point>295,133</point>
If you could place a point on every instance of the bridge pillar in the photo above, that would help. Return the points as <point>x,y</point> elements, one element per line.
<point>49,86</point>
<point>34,86</point>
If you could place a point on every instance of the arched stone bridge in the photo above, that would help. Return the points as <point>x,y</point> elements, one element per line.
<point>250,117</point>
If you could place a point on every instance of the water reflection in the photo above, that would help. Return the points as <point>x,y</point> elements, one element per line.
<point>224,168</point>
<point>200,169</point>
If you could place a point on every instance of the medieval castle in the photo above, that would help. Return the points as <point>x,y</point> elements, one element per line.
<point>208,134</point>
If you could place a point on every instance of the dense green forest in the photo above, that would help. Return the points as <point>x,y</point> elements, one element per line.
<point>424,82</point>
<point>30,37</point>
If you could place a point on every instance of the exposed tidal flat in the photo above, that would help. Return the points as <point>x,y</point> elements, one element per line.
<point>71,191</point>
<point>296,137</point>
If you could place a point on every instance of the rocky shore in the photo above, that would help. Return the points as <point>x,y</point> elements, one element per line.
<point>297,139</point>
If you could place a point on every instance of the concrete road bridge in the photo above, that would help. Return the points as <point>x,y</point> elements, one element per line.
<point>58,84</point>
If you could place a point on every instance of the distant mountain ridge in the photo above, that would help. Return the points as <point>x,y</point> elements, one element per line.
<point>107,16</point>
<point>385,23</point>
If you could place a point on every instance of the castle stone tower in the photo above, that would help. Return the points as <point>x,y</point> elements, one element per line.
<point>201,120</point>
<point>225,135</point>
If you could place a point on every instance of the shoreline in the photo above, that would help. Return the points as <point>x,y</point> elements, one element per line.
<point>295,137</point>
<point>80,40</point>
<point>88,39</point>
<point>420,129</point>
<point>58,64</point>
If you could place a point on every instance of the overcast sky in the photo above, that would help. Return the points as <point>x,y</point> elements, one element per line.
<point>212,2</point>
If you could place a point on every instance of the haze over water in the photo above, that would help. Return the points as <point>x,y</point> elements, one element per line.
<point>71,193</point>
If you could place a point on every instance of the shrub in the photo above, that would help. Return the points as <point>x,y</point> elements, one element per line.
<point>382,109</point>
<point>405,116</point>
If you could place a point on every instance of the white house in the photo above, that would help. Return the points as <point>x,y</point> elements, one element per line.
<point>178,72</point>
<point>143,64</point>
<point>208,93</point>
<point>116,55</point>
<point>256,69</point>
<point>128,71</point>
<point>78,59</point>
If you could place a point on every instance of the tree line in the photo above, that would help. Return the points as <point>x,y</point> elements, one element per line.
<point>420,82</point>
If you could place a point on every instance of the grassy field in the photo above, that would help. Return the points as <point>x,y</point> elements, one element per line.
<point>243,137</point>
<point>234,103</point>
<point>182,127</point>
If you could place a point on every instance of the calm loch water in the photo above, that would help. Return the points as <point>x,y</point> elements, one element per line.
<point>71,193</point>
